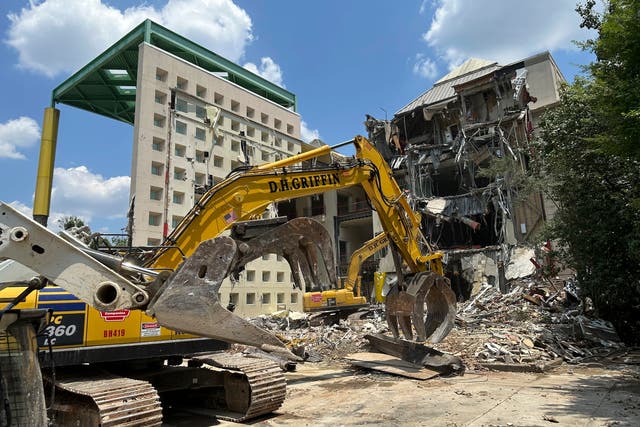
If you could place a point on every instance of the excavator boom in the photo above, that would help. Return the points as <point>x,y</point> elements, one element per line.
<point>196,257</point>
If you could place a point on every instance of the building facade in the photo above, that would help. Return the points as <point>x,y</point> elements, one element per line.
<point>458,150</point>
<point>192,128</point>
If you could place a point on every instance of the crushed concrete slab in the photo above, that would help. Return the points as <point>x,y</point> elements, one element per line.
<point>391,365</point>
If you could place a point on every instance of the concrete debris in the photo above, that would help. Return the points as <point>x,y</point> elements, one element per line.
<point>391,365</point>
<point>532,328</point>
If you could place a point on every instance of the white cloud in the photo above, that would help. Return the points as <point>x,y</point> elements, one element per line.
<point>502,30</point>
<point>268,69</point>
<point>423,7</point>
<point>18,133</point>
<point>56,36</point>
<point>425,67</point>
<point>79,192</point>
<point>307,134</point>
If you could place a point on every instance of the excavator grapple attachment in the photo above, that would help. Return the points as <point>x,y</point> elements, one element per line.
<point>303,242</point>
<point>428,303</point>
<point>189,301</point>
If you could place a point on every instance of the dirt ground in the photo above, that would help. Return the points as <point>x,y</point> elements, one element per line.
<point>322,395</point>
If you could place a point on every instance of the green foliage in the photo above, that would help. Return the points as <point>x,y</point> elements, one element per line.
<point>68,222</point>
<point>119,241</point>
<point>597,191</point>
<point>521,183</point>
<point>590,153</point>
<point>615,73</point>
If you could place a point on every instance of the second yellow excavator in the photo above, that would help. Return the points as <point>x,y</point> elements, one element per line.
<point>349,297</point>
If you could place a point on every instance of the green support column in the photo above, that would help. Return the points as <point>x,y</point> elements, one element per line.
<point>42,199</point>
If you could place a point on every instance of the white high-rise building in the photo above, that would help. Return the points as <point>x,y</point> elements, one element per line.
<point>174,93</point>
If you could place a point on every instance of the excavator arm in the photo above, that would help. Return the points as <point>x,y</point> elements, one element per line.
<point>179,284</point>
<point>370,247</point>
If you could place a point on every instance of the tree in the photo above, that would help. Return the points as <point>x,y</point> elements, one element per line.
<point>589,148</point>
<point>615,73</point>
<point>68,222</point>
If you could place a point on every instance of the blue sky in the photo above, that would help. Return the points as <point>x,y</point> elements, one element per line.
<point>342,59</point>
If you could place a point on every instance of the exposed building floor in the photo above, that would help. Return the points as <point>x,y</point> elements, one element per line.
<point>568,396</point>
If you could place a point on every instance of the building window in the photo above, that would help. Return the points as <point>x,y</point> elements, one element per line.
<point>199,178</point>
<point>175,220</point>
<point>280,258</point>
<point>265,155</point>
<point>201,156</point>
<point>156,168</point>
<point>264,118</point>
<point>251,275</point>
<point>235,126</point>
<point>180,150</point>
<point>161,97</point>
<point>251,132</point>
<point>264,136</point>
<point>181,128</point>
<point>179,173</point>
<point>235,164</point>
<point>153,242</point>
<point>178,197</point>
<point>235,106</point>
<point>278,142</point>
<point>266,298</point>
<point>218,161</point>
<point>154,218</point>
<point>155,193</point>
<point>294,298</point>
<point>280,276</point>
<point>161,75</point>
<point>157,144</point>
<point>233,298</point>
<point>280,298</point>
<point>200,112</point>
<point>219,141</point>
<point>235,146</point>
<point>182,83</point>
<point>182,105</point>
<point>277,123</point>
<point>158,120</point>
<point>266,276</point>
<point>201,91</point>
<point>290,146</point>
<point>290,129</point>
<point>201,134</point>
<point>251,112</point>
<point>265,257</point>
<point>218,99</point>
<point>251,298</point>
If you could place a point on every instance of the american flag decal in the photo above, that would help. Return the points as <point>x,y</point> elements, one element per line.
<point>229,217</point>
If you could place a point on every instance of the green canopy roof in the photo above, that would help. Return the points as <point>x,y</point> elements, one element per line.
<point>107,85</point>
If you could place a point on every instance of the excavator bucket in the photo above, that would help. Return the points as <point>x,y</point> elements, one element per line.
<point>189,302</point>
<point>428,303</point>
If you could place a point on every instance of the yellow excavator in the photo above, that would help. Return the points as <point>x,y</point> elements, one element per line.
<point>176,287</point>
<point>349,297</point>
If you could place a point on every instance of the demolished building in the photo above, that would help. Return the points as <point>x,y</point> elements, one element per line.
<point>458,148</point>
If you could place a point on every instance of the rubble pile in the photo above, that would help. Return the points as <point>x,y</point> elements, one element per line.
<point>324,336</point>
<point>535,326</point>
<point>531,325</point>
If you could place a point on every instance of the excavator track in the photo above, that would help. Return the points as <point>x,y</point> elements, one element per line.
<point>253,387</point>
<point>105,400</point>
